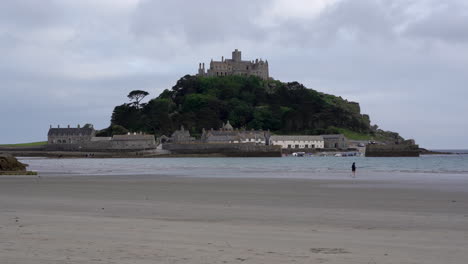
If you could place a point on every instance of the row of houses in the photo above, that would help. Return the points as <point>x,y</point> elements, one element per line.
<point>227,134</point>
<point>84,138</point>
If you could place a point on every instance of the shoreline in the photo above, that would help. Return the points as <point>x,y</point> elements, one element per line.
<point>138,155</point>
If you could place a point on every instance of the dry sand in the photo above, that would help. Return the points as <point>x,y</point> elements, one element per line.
<point>121,219</point>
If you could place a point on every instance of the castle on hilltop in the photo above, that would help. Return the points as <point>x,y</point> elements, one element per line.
<point>235,66</point>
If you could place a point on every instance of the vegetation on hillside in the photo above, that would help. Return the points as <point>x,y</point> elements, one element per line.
<point>25,144</point>
<point>247,102</point>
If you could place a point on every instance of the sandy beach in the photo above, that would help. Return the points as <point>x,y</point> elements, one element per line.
<point>125,219</point>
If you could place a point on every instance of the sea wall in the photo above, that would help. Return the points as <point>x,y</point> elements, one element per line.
<point>224,149</point>
<point>396,150</point>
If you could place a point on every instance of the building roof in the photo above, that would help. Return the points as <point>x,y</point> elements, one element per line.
<point>295,138</point>
<point>253,134</point>
<point>221,133</point>
<point>71,131</point>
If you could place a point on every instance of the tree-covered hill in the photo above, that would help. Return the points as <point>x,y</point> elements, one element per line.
<point>249,102</point>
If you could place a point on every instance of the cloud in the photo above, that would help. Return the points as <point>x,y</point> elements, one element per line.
<point>71,61</point>
<point>28,14</point>
<point>447,22</point>
<point>197,23</point>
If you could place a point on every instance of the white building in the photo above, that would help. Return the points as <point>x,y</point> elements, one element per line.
<point>298,142</point>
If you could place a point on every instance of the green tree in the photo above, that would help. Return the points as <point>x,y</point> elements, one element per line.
<point>118,130</point>
<point>129,117</point>
<point>247,101</point>
<point>136,96</point>
<point>157,116</point>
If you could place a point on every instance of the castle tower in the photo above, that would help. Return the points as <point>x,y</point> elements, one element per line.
<point>236,56</point>
<point>201,69</point>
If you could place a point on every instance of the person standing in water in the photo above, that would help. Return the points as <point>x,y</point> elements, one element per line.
<point>353,169</point>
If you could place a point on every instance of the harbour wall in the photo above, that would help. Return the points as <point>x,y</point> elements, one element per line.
<point>224,149</point>
<point>397,150</point>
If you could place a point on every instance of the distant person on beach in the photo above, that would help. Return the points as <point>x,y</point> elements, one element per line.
<point>353,169</point>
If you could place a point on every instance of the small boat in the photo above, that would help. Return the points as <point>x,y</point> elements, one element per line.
<point>298,154</point>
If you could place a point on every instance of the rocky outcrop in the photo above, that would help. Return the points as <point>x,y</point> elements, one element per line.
<point>9,163</point>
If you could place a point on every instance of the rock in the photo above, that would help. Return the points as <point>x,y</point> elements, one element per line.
<point>10,163</point>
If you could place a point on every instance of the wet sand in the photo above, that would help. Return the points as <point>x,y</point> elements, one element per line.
<point>123,219</point>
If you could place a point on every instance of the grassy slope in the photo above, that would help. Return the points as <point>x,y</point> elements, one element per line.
<point>360,136</point>
<point>25,144</point>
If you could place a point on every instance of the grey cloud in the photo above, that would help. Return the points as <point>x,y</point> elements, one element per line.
<point>448,22</point>
<point>29,13</point>
<point>361,20</point>
<point>198,22</point>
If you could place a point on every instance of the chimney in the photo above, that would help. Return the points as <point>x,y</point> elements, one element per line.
<point>50,126</point>
<point>222,58</point>
<point>58,126</point>
<point>78,126</point>
<point>68,126</point>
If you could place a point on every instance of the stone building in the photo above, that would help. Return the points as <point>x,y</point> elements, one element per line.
<point>297,141</point>
<point>84,139</point>
<point>227,134</point>
<point>181,136</point>
<point>235,66</point>
<point>337,141</point>
<point>133,141</point>
<point>70,135</point>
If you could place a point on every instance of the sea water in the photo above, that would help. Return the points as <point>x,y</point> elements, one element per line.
<point>441,172</point>
<point>285,167</point>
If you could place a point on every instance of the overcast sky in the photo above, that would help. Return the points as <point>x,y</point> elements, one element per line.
<point>70,62</point>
